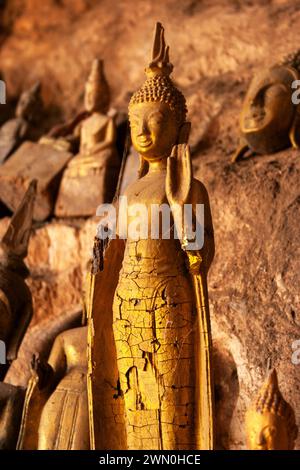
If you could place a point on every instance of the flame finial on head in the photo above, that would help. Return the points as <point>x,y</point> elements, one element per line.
<point>97,72</point>
<point>158,85</point>
<point>160,62</point>
<point>98,86</point>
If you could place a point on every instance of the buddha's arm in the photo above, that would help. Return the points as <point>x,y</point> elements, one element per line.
<point>199,195</point>
<point>68,128</point>
<point>185,193</point>
<point>57,359</point>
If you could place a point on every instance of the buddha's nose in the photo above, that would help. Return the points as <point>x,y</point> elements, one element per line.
<point>143,131</point>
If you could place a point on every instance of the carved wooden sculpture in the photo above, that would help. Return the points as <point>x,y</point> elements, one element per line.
<point>149,330</point>
<point>55,414</point>
<point>91,176</point>
<point>11,404</point>
<point>33,160</point>
<point>269,120</point>
<point>270,421</point>
<point>15,296</point>
<point>16,130</point>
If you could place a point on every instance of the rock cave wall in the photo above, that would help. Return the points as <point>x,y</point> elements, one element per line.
<point>216,46</point>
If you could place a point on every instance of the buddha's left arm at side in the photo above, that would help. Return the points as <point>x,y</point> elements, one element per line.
<point>205,254</point>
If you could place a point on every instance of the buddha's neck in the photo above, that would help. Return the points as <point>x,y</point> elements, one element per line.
<point>157,166</point>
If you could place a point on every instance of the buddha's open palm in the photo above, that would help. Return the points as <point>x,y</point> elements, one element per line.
<point>179,175</point>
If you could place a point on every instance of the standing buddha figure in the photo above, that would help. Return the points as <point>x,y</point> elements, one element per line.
<point>92,174</point>
<point>55,413</point>
<point>158,362</point>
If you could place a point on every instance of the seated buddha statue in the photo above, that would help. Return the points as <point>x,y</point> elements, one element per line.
<point>150,371</point>
<point>23,125</point>
<point>55,414</point>
<point>90,178</point>
<point>15,297</point>
<point>270,421</point>
<point>270,120</point>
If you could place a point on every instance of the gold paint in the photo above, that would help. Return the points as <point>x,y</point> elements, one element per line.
<point>269,120</point>
<point>156,391</point>
<point>270,421</point>
<point>55,414</point>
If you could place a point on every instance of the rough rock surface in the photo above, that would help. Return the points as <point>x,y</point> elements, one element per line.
<point>216,46</point>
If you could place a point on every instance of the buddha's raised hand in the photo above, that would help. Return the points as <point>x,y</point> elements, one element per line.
<point>179,175</point>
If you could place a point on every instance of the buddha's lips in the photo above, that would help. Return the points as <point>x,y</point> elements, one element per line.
<point>145,144</point>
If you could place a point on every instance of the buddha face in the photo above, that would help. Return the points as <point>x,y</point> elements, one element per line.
<point>154,130</point>
<point>268,111</point>
<point>266,431</point>
<point>95,98</point>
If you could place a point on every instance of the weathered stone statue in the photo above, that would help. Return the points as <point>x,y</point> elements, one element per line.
<point>16,130</point>
<point>55,414</point>
<point>11,404</point>
<point>15,296</point>
<point>91,176</point>
<point>270,421</point>
<point>149,328</point>
<point>269,120</point>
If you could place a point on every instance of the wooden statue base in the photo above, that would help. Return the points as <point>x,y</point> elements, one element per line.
<point>84,187</point>
<point>33,161</point>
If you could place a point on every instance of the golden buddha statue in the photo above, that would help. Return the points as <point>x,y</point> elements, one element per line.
<point>55,414</point>
<point>15,297</point>
<point>269,120</point>
<point>149,378</point>
<point>91,176</point>
<point>270,421</point>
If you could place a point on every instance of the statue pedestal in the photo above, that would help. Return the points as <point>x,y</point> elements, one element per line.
<point>33,161</point>
<point>84,187</point>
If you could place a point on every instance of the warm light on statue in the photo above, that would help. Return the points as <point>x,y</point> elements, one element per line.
<point>149,335</point>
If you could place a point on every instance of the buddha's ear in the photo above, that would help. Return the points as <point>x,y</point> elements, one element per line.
<point>294,133</point>
<point>184,133</point>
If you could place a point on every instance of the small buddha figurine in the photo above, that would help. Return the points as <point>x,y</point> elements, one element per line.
<point>269,120</point>
<point>149,337</point>
<point>90,178</point>
<point>15,297</point>
<point>55,414</point>
<point>22,127</point>
<point>270,421</point>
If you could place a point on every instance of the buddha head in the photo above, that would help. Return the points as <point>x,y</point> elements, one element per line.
<point>30,103</point>
<point>97,95</point>
<point>268,118</point>
<point>157,111</point>
<point>270,421</point>
<point>14,244</point>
